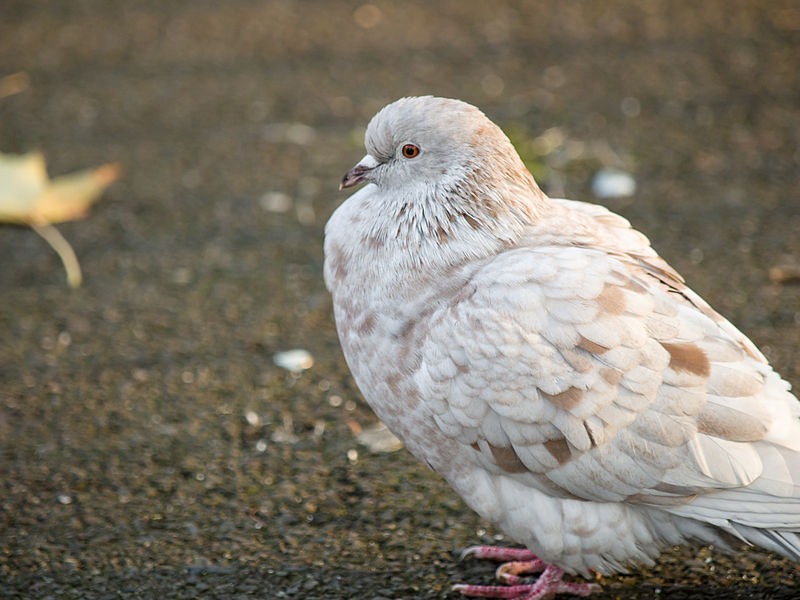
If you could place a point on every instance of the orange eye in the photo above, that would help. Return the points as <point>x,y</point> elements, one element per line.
<point>410,151</point>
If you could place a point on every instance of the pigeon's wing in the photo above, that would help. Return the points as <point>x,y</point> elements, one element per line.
<point>612,232</point>
<point>583,373</point>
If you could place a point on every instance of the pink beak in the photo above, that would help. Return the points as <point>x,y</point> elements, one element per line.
<point>358,173</point>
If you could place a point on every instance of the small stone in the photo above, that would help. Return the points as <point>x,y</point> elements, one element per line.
<point>367,16</point>
<point>378,438</point>
<point>785,274</point>
<point>611,183</point>
<point>294,360</point>
<point>277,202</point>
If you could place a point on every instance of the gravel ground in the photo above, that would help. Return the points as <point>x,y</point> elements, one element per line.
<point>149,446</point>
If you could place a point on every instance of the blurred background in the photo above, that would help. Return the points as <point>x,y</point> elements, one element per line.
<point>151,443</point>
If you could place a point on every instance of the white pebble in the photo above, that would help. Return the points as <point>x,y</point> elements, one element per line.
<point>277,202</point>
<point>378,438</point>
<point>294,360</point>
<point>253,418</point>
<point>610,183</point>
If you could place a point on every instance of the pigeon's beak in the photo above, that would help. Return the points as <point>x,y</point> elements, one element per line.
<point>358,173</point>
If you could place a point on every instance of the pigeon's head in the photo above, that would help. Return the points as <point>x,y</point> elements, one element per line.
<point>445,172</point>
<point>439,145</point>
<point>421,140</point>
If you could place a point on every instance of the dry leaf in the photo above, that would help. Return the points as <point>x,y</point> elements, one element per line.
<point>29,197</point>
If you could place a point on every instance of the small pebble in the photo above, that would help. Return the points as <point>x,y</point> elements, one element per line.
<point>276,202</point>
<point>378,438</point>
<point>785,274</point>
<point>611,183</point>
<point>294,360</point>
<point>253,419</point>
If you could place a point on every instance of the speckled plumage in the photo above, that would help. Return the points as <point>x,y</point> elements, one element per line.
<point>542,358</point>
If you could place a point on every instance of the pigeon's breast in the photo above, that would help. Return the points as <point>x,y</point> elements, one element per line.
<point>380,344</point>
<point>383,315</point>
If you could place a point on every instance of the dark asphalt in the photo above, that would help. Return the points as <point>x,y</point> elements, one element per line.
<point>149,446</point>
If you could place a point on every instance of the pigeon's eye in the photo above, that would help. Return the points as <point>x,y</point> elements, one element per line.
<point>410,151</point>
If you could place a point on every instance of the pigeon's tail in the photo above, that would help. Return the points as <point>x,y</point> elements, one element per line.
<point>785,543</point>
<point>765,513</point>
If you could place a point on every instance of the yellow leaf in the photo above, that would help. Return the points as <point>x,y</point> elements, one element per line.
<point>28,196</point>
<point>23,180</point>
<point>69,197</point>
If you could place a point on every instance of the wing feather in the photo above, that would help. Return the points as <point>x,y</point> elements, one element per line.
<point>593,372</point>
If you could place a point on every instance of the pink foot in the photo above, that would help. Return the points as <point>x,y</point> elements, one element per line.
<point>520,560</point>
<point>546,586</point>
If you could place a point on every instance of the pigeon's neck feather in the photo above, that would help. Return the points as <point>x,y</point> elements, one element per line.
<point>417,233</point>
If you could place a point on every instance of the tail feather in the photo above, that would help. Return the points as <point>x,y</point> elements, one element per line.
<point>785,543</point>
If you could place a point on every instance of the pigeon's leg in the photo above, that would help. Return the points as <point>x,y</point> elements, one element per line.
<point>516,561</point>
<point>547,585</point>
<point>498,553</point>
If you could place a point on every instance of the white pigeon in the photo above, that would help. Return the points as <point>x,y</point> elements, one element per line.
<point>541,357</point>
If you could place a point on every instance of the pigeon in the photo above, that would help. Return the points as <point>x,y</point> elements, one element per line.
<point>540,356</point>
